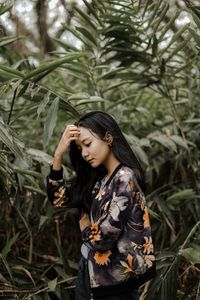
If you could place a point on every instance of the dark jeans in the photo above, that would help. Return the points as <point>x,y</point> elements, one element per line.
<point>83,291</point>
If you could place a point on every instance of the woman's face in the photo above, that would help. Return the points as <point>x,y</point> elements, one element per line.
<point>93,149</point>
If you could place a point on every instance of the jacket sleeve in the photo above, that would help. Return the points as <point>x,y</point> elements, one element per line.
<point>104,233</point>
<point>57,190</point>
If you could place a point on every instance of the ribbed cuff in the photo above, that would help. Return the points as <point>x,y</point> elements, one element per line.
<point>56,175</point>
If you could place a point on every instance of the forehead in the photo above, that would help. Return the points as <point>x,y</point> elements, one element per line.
<point>85,134</point>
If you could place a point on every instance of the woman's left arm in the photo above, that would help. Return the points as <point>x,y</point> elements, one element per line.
<point>104,233</point>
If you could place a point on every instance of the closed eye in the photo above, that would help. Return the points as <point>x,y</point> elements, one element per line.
<point>88,144</point>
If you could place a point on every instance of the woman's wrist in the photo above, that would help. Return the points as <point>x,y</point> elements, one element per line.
<point>57,162</point>
<point>56,174</point>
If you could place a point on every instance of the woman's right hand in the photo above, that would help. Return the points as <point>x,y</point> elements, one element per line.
<point>71,133</point>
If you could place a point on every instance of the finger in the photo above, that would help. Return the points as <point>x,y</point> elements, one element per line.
<point>72,127</point>
<point>74,134</point>
<point>73,137</point>
<point>70,133</point>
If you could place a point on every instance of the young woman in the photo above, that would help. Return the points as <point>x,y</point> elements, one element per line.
<point>117,249</point>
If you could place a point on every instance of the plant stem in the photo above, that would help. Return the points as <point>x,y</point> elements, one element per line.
<point>12,105</point>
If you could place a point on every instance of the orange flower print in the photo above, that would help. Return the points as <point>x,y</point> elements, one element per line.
<point>100,194</point>
<point>132,185</point>
<point>149,260</point>
<point>146,218</point>
<point>102,258</point>
<point>129,265</point>
<point>148,246</point>
<point>142,203</point>
<point>94,232</point>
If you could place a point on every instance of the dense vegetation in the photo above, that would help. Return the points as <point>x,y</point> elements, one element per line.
<point>130,59</point>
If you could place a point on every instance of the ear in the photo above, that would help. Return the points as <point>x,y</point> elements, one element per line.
<point>109,138</point>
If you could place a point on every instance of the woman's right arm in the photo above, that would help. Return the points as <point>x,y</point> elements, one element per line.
<point>57,190</point>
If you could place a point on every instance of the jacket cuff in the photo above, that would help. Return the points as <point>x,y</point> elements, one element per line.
<point>56,175</point>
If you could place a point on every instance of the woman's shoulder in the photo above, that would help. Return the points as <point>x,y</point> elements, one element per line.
<point>125,173</point>
<point>126,176</point>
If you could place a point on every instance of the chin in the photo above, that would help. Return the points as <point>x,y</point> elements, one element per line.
<point>95,165</point>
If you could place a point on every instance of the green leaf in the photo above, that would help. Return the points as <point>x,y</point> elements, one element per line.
<point>142,110</point>
<point>10,72</point>
<point>196,19</point>
<point>111,73</point>
<point>80,36</point>
<point>50,121</point>
<point>43,103</point>
<point>27,172</point>
<point>78,96</point>
<point>87,34</point>
<point>63,103</point>
<point>195,36</point>
<point>9,244</point>
<point>6,136</point>
<point>154,13</point>
<point>180,196</point>
<point>141,155</point>
<point>192,121</point>
<point>147,4</point>
<point>66,45</point>
<point>160,19</point>
<point>92,99</point>
<point>154,215</point>
<point>39,155</point>
<point>36,190</point>
<point>7,267</point>
<point>179,48</point>
<point>191,254</point>
<point>168,26</point>
<point>166,213</point>
<point>168,288</point>
<point>29,232</point>
<point>52,284</point>
<point>50,66</point>
<point>8,40</point>
<point>5,8</point>
<point>179,141</point>
<point>175,38</point>
<point>43,219</point>
<point>164,141</point>
<point>87,18</point>
<point>27,272</point>
<point>92,11</point>
<point>137,149</point>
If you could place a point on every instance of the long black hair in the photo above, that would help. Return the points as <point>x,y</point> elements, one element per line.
<point>100,123</point>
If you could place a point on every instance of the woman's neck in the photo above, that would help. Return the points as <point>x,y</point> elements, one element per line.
<point>111,165</point>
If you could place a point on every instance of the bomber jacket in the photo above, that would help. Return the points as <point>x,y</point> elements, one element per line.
<point>117,244</point>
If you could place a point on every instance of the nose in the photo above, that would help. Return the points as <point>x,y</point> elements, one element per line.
<point>84,153</point>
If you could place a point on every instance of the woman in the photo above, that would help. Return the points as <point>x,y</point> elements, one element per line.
<point>117,249</point>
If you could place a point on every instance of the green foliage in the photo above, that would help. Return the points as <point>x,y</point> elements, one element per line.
<point>133,65</point>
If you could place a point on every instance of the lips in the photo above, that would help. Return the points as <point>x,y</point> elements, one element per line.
<point>91,160</point>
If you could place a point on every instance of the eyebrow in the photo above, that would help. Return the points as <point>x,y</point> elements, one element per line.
<point>85,139</point>
<point>82,141</point>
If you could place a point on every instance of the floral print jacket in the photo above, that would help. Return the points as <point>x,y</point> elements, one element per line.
<point>118,244</point>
